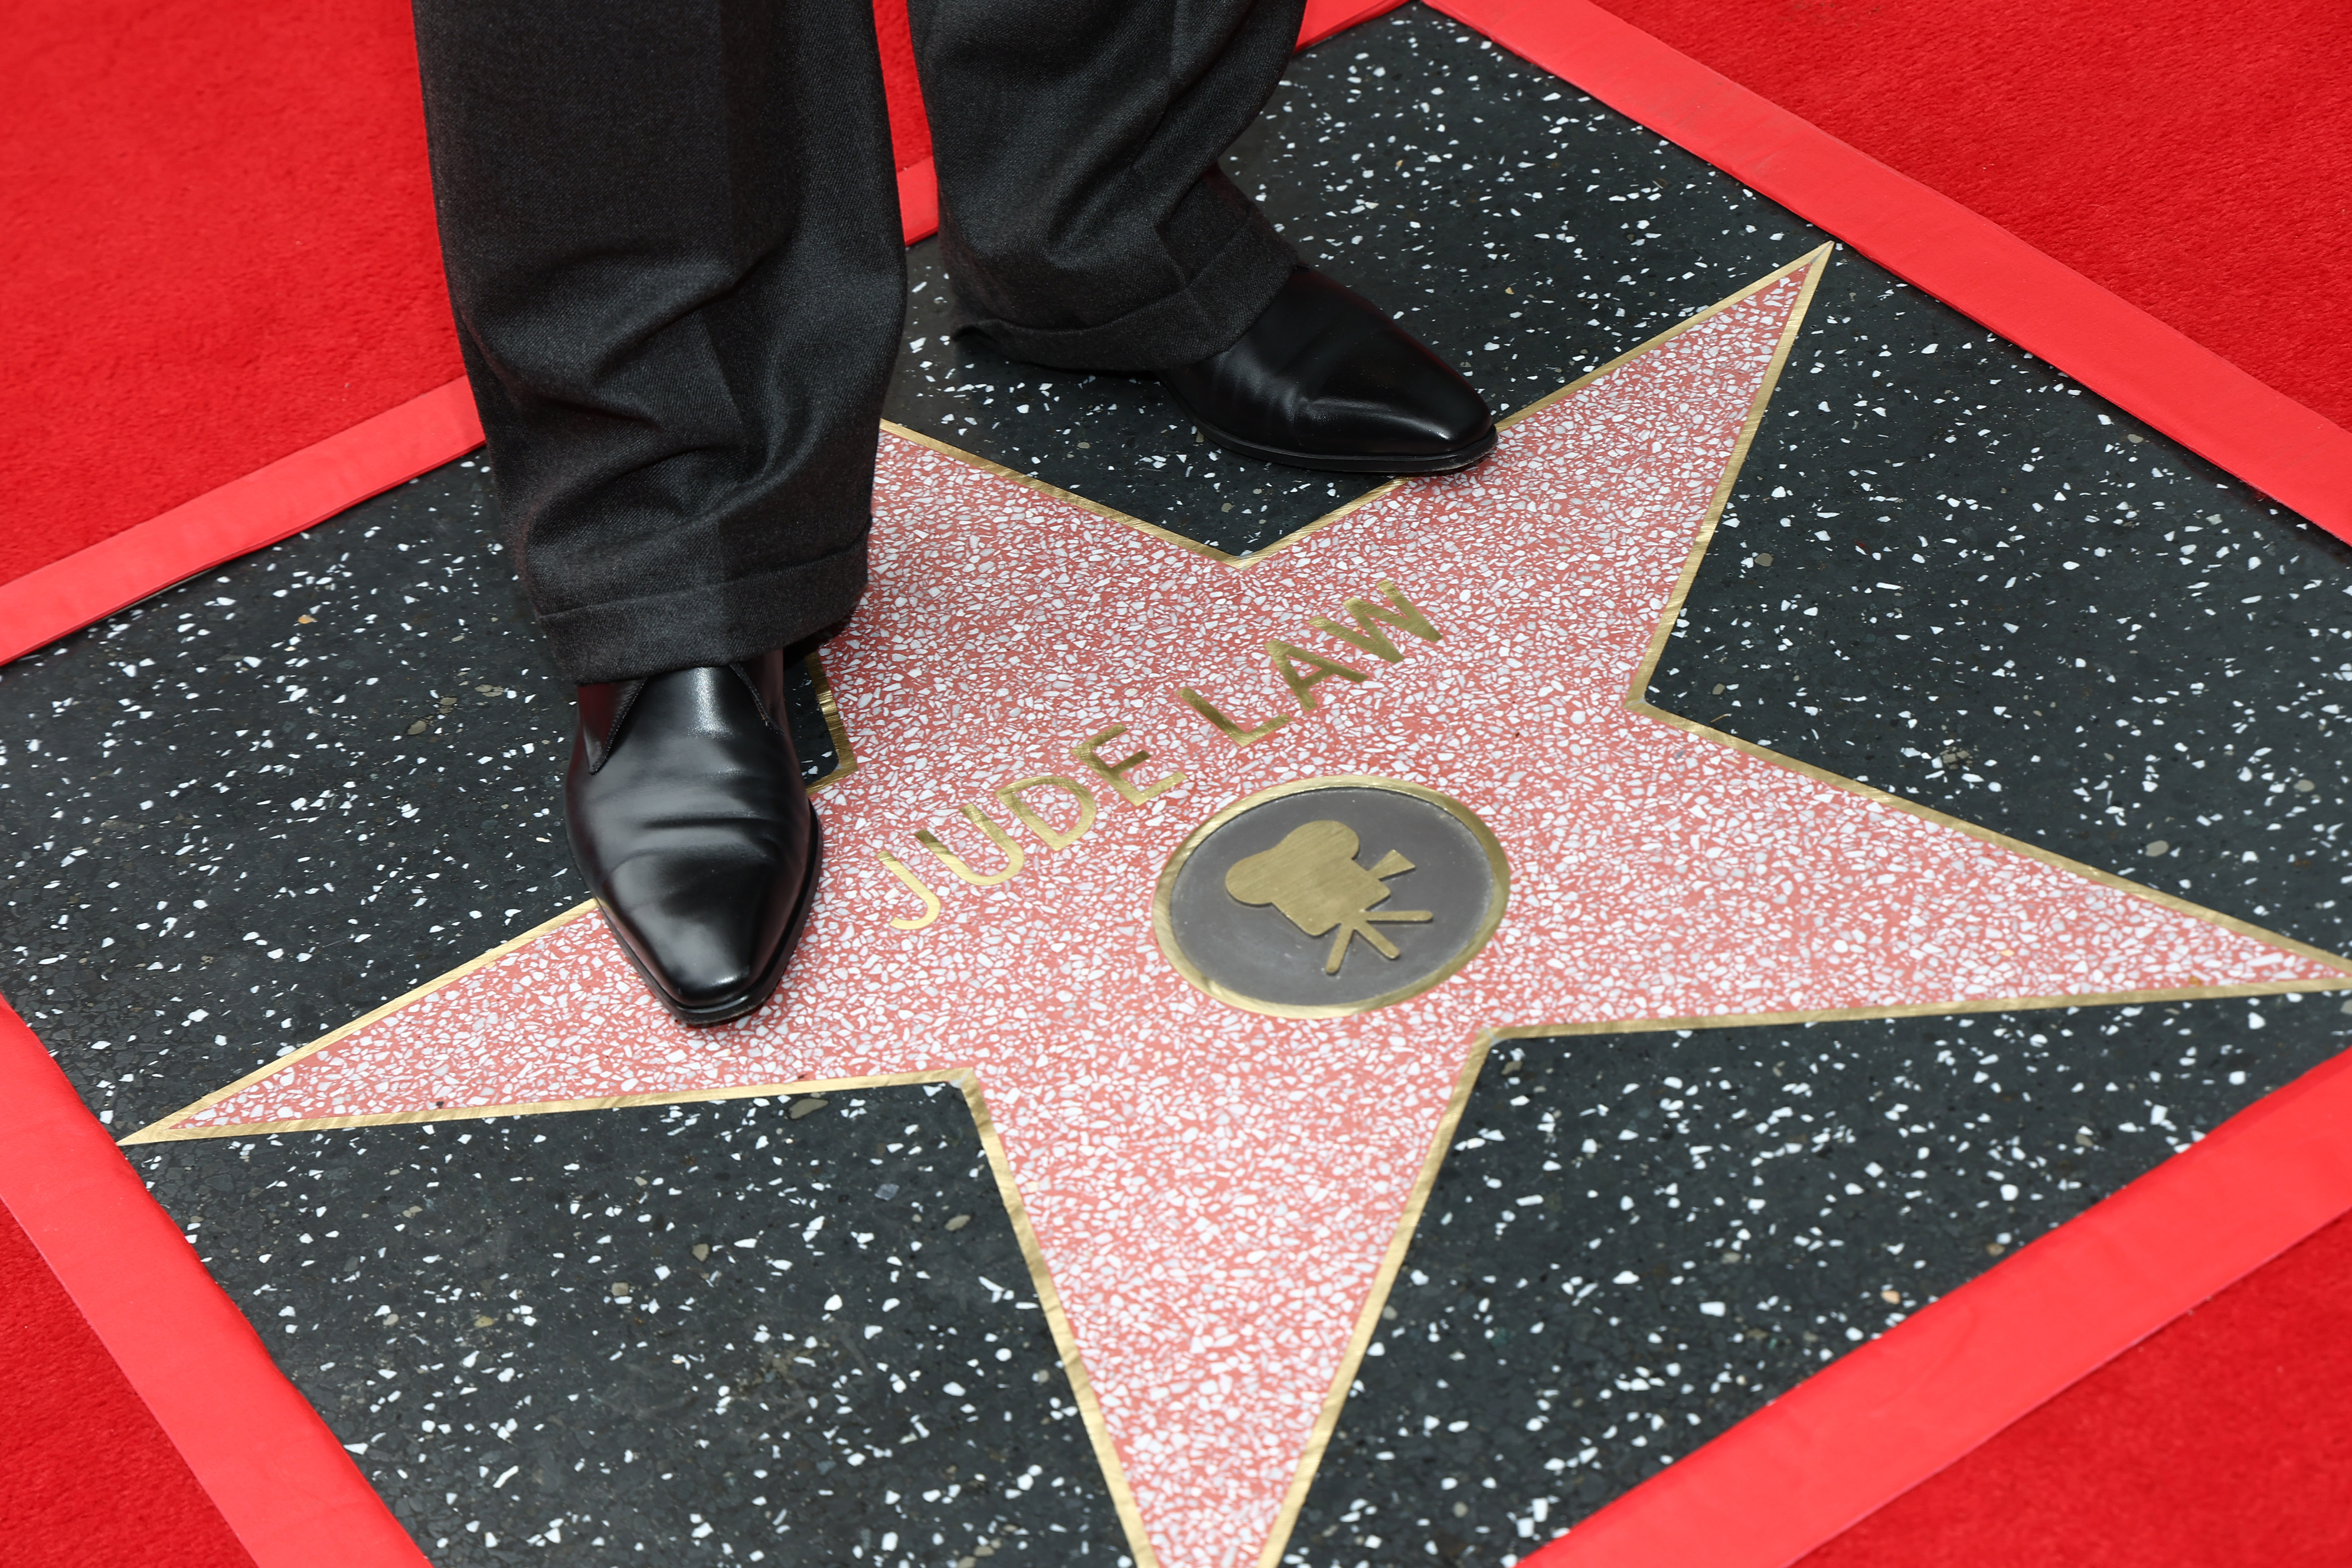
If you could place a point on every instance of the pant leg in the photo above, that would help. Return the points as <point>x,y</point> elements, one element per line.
<point>1083,218</point>
<point>672,240</point>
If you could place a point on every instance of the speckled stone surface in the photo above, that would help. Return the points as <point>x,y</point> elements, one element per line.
<point>1938,678</point>
<point>742,1331</point>
<point>257,806</point>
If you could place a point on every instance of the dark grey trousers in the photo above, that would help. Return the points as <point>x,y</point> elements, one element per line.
<point>672,239</point>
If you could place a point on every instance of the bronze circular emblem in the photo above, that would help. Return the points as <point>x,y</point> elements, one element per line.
<point>1331,896</point>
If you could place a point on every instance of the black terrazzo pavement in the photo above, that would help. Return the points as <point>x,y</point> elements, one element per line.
<point>224,829</point>
<point>1949,572</point>
<point>742,1331</point>
<point>1642,1238</point>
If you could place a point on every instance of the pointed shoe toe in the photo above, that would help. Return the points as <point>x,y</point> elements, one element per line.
<point>702,928</point>
<point>1322,379</point>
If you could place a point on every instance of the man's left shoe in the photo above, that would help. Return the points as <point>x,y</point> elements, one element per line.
<point>688,819</point>
<point>1323,380</point>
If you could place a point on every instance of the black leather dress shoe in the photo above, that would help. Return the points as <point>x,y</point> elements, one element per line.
<point>1323,380</point>
<point>688,818</point>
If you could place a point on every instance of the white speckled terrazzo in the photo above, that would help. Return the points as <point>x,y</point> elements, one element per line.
<point>1213,1190</point>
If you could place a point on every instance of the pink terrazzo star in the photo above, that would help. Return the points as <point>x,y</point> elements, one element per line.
<point>1218,1195</point>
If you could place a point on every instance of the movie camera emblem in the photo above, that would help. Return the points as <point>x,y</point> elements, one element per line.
<point>1331,896</point>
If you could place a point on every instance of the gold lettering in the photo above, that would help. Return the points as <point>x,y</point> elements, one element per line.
<point>914,885</point>
<point>1402,615</point>
<point>997,836</point>
<point>1015,799</point>
<point>1227,726</point>
<point>1135,792</point>
<point>1287,663</point>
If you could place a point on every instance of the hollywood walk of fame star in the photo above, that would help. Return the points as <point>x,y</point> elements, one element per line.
<point>1215,1197</point>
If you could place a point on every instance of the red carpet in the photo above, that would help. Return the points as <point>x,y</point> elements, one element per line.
<point>88,1479</point>
<point>2194,157</point>
<point>219,249</point>
<point>2224,1440</point>
<point>219,246</point>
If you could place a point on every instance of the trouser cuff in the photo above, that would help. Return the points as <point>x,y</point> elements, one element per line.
<point>1207,316</point>
<point>622,640</point>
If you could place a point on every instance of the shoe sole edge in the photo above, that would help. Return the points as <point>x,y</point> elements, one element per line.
<point>1392,466</point>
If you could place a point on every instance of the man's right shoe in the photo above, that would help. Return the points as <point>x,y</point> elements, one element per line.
<point>689,820</point>
<point>1323,379</point>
